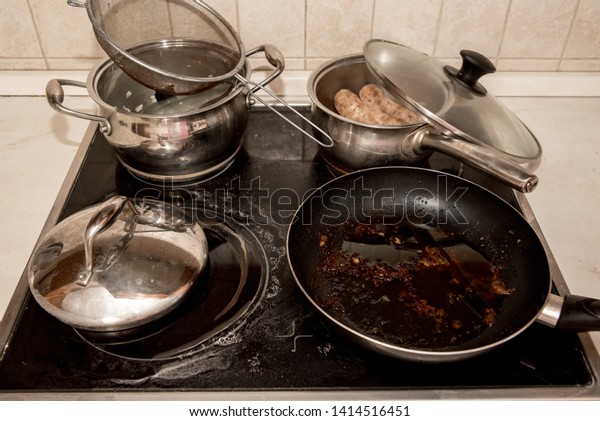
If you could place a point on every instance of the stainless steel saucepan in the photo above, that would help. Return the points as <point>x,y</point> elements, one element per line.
<point>456,119</point>
<point>177,137</point>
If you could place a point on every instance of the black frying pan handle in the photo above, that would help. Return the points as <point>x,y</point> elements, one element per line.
<point>581,314</point>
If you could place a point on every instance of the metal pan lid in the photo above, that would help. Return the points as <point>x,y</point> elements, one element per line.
<point>117,265</point>
<point>449,99</point>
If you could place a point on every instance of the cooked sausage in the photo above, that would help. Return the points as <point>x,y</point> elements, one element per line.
<point>373,96</point>
<point>349,105</point>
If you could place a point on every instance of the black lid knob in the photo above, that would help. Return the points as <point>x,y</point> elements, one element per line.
<point>474,66</point>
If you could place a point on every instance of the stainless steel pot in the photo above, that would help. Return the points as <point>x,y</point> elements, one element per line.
<point>359,146</point>
<point>180,137</point>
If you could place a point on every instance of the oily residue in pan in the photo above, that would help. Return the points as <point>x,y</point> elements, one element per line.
<point>413,286</point>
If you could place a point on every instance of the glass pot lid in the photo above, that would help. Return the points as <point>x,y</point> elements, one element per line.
<point>118,264</point>
<point>453,101</point>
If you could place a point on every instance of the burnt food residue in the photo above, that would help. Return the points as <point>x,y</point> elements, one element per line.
<point>413,286</point>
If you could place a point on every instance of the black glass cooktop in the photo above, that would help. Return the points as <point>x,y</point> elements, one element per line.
<point>272,340</point>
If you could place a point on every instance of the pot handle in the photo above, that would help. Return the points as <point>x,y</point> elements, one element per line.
<point>482,157</point>
<point>56,95</point>
<point>276,59</point>
<point>572,312</point>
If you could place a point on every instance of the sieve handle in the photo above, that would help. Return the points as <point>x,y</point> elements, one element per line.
<point>56,95</point>
<point>286,105</point>
<point>329,143</point>
<point>274,57</point>
<point>75,3</point>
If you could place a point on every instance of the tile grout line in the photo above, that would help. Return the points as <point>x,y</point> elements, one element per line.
<point>373,8</point>
<point>438,29</point>
<point>305,34</point>
<point>504,26</point>
<point>37,36</point>
<point>569,32</point>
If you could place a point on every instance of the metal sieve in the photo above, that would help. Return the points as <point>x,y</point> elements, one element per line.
<point>176,47</point>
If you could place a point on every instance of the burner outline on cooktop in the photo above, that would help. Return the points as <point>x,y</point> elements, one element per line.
<point>133,344</point>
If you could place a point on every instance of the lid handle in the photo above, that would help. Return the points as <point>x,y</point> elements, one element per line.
<point>474,66</point>
<point>102,220</point>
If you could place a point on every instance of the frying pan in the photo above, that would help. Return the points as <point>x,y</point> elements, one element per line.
<point>450,210</point>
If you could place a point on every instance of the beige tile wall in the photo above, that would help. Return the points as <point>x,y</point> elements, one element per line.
<point>520,35</point>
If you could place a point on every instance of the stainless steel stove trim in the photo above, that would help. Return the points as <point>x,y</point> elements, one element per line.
<point>592,353</point>
<point>12,315</point>
<point>491,394</point>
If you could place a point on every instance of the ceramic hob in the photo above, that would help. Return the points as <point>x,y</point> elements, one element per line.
<point>245,329</point>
